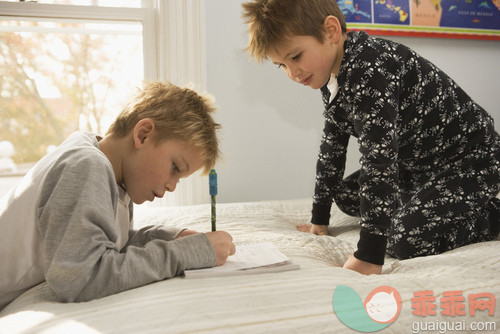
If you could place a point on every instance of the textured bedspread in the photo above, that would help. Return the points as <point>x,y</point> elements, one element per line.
<point>456,292</point>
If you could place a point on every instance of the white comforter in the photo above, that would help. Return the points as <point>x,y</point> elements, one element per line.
<point>298,301</point>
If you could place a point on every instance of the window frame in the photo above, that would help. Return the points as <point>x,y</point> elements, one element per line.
<point>174,46</point>
<point>146,16</point>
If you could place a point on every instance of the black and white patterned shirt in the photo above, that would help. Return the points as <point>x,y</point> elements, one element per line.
<point>410,119</point>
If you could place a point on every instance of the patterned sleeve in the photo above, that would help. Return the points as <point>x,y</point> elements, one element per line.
<point>375,100</point>
<point>329,171</point>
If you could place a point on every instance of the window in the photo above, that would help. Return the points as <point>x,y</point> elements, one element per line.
<point>72,64</point>
<point>67,68</point>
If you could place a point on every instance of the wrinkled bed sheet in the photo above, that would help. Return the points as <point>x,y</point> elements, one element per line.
<point>298,301</point>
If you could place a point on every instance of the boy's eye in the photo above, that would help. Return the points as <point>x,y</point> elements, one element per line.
<point>175,169</point>
<point>280,66</point>
<point>297,57</point>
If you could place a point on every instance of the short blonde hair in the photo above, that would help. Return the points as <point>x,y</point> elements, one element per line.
<point>178,113</point>
<point>270,22</point>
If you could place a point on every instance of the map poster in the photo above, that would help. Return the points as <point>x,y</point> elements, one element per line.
<point>471,19</point>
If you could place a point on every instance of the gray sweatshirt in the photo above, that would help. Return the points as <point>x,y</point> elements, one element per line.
<point>70,224</point>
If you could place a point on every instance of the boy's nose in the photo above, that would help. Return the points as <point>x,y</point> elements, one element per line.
<point>294,74</point>
<point>171,186</point>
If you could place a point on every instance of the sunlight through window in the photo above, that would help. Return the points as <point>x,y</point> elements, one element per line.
<point>62,75</point>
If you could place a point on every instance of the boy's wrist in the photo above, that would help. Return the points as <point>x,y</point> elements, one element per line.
<point>194,251</point>
<point>371,247</point>
<point>320,214</point>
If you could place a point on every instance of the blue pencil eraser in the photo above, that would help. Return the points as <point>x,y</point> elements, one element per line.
<point>212,179</point>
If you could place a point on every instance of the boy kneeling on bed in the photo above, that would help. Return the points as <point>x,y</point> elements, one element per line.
<point>430,155</point>
<point>69,221</point>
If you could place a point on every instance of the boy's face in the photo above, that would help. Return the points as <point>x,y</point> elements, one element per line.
<point>308,61</point>
<point>153,169</point>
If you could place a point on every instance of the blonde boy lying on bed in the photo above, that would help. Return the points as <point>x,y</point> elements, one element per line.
<point>69,221</point>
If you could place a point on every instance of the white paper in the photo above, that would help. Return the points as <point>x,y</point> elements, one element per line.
<point>259,257</point>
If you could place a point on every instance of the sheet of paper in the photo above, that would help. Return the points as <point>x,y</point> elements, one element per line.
<point>247,257</point>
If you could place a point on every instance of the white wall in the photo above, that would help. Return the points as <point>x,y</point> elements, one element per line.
<point>272,126</point>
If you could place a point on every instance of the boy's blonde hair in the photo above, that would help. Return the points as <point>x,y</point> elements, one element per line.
<point>178,113</point>
<point>270,22</point>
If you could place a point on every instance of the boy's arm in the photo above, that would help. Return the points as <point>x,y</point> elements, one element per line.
<point>376,104</point>
<point>82,260</point>
<point>145,234</point>
<point>329,171</point>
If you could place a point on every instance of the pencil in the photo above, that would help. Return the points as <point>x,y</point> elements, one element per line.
<point>212,179</point>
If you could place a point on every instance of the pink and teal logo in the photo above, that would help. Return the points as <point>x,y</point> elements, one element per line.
<point>380,308</point>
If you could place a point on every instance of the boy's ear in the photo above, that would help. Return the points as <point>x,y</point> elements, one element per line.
<point>333,29</point>
<point>142,130</point>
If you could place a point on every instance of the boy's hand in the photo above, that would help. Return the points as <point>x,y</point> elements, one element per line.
<point>314,229</point>
<point>362,267</point>
<point>222,243</point>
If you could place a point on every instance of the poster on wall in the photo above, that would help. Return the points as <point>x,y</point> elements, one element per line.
<point>470,19</point>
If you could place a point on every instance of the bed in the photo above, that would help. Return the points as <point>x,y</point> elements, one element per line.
<point>459,286</point>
